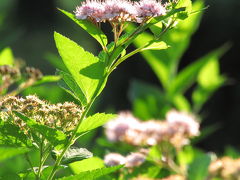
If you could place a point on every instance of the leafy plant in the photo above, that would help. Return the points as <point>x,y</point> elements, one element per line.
<point>53,129</point>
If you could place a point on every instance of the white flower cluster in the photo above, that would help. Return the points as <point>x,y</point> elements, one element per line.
<point>119,10</point>
<point>176,129</point>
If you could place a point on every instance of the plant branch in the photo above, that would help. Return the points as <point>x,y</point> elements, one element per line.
<point>70,142</point>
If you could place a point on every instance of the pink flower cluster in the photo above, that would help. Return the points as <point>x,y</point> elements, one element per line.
<point>132,160</point>
<point>176,129</point>
<point>119,10</point>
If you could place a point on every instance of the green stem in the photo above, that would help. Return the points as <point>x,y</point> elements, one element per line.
<point>70,142</point>
<point>40,161</point>
<point>30,163</point>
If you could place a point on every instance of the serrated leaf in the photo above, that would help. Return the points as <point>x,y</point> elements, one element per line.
<point>94,121</point>
<point>86,69</point>
<point>57,138</point>
<point>86,165</point>
<point>198,169</point>
<point>91,175</point>
<point>6,57</point>
<point>89,27</point>
<point>69,85</point>
<point>76,154</point>
<point>8,152</point>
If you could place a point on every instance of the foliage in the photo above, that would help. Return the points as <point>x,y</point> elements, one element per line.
<point>162,40</point>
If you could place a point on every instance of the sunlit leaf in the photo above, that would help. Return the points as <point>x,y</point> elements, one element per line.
<point>86,165</point>
<point>86,69</point>
<point>6,57</point>
<point>89,27</point>
<point>94,121</point>
<point>188,8</point>
<point>155,45</point>
<point>91,175</point>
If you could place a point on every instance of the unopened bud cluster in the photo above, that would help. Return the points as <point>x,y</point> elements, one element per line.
<point>61,116</point>
<point>6,70</point>
<point>12,74</point>
<point>132,160</point>
<point>119,10</point>
<point>176,129</point>
<point>225,168</point>
<point>15,72</point>
<point>33,73</point>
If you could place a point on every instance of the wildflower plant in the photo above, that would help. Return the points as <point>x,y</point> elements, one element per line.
<point>54,128</point>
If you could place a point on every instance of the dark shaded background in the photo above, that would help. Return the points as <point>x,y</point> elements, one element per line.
<point>28,30</point>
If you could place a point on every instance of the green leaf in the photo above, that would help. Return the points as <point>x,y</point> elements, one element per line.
<point>94,121</point>
<point>86,165</point>
<point>187,155</point>
<point>181,103</point>
<point>146,100</point>
<point>198,169</point>
<point>190,74</point>
<point>69,85</point>
<point>91,175</point>
<point>9,152</point>
<point>207,86</point>
<point>55,61</point>
<point>76,154</point>
<point>6,57</point>
<point>211,69</point>
<point>89,27</point>
<point>188,8</point>
<point>57,138</point>
<point>164,63</point>
<point>155,45</point>
<point>86,69</point>
<point>47,79</point>
<point>12,135</point>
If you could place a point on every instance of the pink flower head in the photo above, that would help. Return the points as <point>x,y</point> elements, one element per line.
<point>119,10</point>
<point>92,9</point>
<point>150,8</point>
<point>117,128</point>
<point>114,159</point>
<point>135,159</point>
<point>181,121</point>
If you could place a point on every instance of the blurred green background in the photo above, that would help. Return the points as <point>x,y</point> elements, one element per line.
<point>27,27</point>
